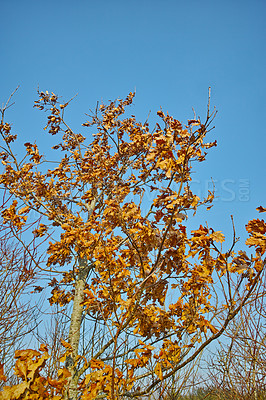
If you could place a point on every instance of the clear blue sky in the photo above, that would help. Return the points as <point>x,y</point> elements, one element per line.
<point>170,52</point>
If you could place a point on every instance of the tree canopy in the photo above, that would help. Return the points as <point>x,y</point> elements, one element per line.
<point>144,296</point>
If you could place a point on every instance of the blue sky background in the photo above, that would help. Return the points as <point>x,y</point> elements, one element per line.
<point>170,52</point>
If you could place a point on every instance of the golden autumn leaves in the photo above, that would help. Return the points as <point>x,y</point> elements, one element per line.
<point>119,199</point>
<point>28,367</point>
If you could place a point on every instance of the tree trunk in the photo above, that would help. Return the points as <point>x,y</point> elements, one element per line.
<point>75,326</point>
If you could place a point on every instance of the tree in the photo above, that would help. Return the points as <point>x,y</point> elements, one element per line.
<point>239,364</point>
<point>142,293</point>
<point>17,319</point>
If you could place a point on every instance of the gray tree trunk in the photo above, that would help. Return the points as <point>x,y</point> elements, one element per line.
<point>74,329</point>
